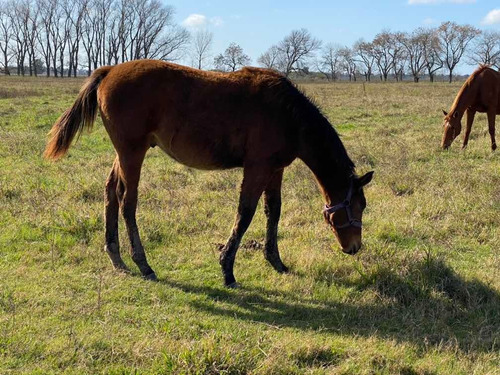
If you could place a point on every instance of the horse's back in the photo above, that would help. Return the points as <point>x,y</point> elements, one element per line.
<point>205,120</point>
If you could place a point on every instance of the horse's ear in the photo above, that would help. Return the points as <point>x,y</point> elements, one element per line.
<point>365,179</point>
<point>455,114</point>
<point>444,112</point>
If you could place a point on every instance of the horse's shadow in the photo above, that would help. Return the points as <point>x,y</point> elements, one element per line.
<point>429,306</point>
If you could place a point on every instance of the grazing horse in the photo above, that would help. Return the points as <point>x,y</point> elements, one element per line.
<point>253,118</point>
<point>480,93</point>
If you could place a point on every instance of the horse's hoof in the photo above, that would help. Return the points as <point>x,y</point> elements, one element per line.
<point>280,267</point>
<point>493,146</point>
<point>234,285</point>
<point>121,268</point>
<point>150,277</point>
<point>283,269</point>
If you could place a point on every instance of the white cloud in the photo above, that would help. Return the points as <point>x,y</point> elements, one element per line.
<point>195,20</point>
<point>492,17</point>
<point>429,21</point>
<point>217,21</point>
<point>418,2</point>
<point>199,20</point>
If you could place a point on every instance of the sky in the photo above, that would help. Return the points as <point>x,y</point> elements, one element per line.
<point>257,24</point>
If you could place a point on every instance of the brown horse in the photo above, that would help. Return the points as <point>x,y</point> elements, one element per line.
<point>480,93</point>
<point>252,118</point>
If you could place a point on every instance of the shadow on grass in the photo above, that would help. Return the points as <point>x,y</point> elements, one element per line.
<point>427,304</point>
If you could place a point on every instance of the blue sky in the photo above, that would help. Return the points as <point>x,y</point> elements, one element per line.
<point>257,24</point>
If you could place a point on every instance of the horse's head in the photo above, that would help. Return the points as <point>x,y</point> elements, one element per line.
<point>345,217</point>
<point>452,127</point>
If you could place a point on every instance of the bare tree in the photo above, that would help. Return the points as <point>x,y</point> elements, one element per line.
<point>232,58</point>
<point>486,49</point>
<point>398,54</point>
<point>46,10</point>
<point>102,14</point>
<point>414,45</point>
<point>271,59</point>
<point>113,39</point>
<point>146,30</point>
<point>64,32</point>
<point>454,39</point>
<point>296,48</point>
<point>125,27</point>
<point>432,52</point>
<point>348,62</point>
<point>93,38</point>
<point>153,18</point>
<point>20,19</point>
<point>365,54</point>
<point>329,64</point>
<point>170,46</point>
<point>75,15</point>
<point>32,30</point>
<point>201,45</point>
<point>5,37</point>
<point>382,46</point>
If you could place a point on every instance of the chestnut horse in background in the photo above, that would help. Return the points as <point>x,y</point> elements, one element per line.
<point>253,118</point>
<point>480,93</point>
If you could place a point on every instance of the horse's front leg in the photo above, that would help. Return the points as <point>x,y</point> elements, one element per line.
<point>470,119</point>
<point>491,127</point>
<point>272,208</point>
<point>255,179</point>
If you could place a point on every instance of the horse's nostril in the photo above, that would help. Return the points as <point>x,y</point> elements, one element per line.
<point>353,249</point>
<point>356,248</point>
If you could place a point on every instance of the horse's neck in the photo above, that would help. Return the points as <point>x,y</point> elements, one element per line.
<point>331,173</point>
<point>466,99</point>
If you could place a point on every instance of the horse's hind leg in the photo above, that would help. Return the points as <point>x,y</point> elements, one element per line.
<point>112,246</point>
<point>272,208</point>
<point>254,182</point>
<point>491,127</point>
<point>130,171</point>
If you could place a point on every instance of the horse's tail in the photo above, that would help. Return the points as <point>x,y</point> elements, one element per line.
<point>82,114</point>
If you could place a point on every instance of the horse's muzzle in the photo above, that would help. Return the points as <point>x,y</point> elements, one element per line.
<point>353,249</point>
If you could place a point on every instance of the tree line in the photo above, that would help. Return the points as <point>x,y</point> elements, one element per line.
<point>62,37</point>
<point>423,51</point>
<point>58,37</point>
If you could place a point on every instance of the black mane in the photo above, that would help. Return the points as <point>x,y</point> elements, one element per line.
<point>312,122</point>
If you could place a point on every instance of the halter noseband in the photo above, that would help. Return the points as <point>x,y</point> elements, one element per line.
<point>346,204</point>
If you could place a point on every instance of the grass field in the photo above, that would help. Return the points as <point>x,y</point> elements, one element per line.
<point>422,297</point>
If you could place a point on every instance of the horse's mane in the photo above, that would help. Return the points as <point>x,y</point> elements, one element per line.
<point>466,85</point>
<point>305,113</point>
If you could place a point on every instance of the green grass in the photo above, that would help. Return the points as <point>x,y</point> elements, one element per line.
<point>423,297</point>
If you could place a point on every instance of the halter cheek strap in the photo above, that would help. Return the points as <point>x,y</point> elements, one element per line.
<point>346,204</point>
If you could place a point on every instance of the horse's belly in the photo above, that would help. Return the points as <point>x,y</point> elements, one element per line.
<point>197,154</point>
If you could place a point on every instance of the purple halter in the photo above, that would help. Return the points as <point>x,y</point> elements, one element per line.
<point>346,204</point>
